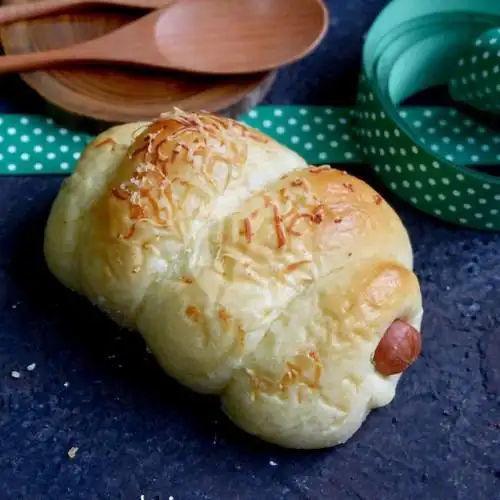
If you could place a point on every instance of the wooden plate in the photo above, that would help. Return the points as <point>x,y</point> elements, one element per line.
<point>117,95</point>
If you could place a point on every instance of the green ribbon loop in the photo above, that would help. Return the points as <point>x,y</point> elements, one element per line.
<point>476,80</point>
<point>413,46</point>
<point>432,157</point>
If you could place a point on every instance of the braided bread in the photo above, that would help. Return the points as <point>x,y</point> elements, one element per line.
<point>249,273</point>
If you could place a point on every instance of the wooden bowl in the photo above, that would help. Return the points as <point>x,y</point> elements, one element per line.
<point>116,94</point>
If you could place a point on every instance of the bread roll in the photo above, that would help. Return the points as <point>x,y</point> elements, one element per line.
<point>249,274</point>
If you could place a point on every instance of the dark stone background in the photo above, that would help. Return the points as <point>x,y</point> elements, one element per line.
<point>140,433</point>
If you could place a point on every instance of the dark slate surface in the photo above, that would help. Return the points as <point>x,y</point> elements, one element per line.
<point>139,433</point>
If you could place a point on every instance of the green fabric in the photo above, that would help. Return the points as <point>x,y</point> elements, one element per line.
<point>411,46</point>
<point>424,155</point>
<point>476,80</point>
<point>35,145</point>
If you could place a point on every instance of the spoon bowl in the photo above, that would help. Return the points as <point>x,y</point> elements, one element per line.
<point>200,36</point>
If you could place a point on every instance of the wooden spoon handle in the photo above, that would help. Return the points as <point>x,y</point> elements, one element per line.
<point>24,11</point>
<point>20,63</point>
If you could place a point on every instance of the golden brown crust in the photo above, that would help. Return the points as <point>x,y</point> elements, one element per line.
<point>249,273</point>
<point>153,185</point>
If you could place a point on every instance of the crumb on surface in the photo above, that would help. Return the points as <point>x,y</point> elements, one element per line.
<point>272,463</point>
<point>66,384</point>
<point>15,374</point>
<point>31,367</point>
<point>72,452</point>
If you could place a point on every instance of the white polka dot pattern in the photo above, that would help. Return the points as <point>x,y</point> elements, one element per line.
<point>320,134</point>
<point>425,156</point>
<point>476,80</point>
<point>36,145</point>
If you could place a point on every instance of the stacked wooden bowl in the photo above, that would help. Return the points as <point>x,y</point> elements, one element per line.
<point>116,95</point>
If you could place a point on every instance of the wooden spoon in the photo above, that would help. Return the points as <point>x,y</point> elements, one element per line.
<point>202,36</point>
<point>23,12</point>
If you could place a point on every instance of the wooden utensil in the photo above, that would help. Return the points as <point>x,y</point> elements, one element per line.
<point>202,36</point>
<point>32,10</point>
<point>98,96</point>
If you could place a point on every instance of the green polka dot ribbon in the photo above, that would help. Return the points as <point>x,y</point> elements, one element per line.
<point>476,80</point>
<point>36,145</point>
<point>435,158</point>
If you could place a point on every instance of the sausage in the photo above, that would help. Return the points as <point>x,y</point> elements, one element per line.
<point>398,349</point>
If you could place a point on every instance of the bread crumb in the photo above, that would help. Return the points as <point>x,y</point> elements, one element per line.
<point>72,452</point>
<point>31,367</point>
<point>170,497</point>
<point>15,374</point>
<point>66,384</point>
<point>272,463</point>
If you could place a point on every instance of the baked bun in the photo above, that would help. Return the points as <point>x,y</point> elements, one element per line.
<point>249,274</point>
